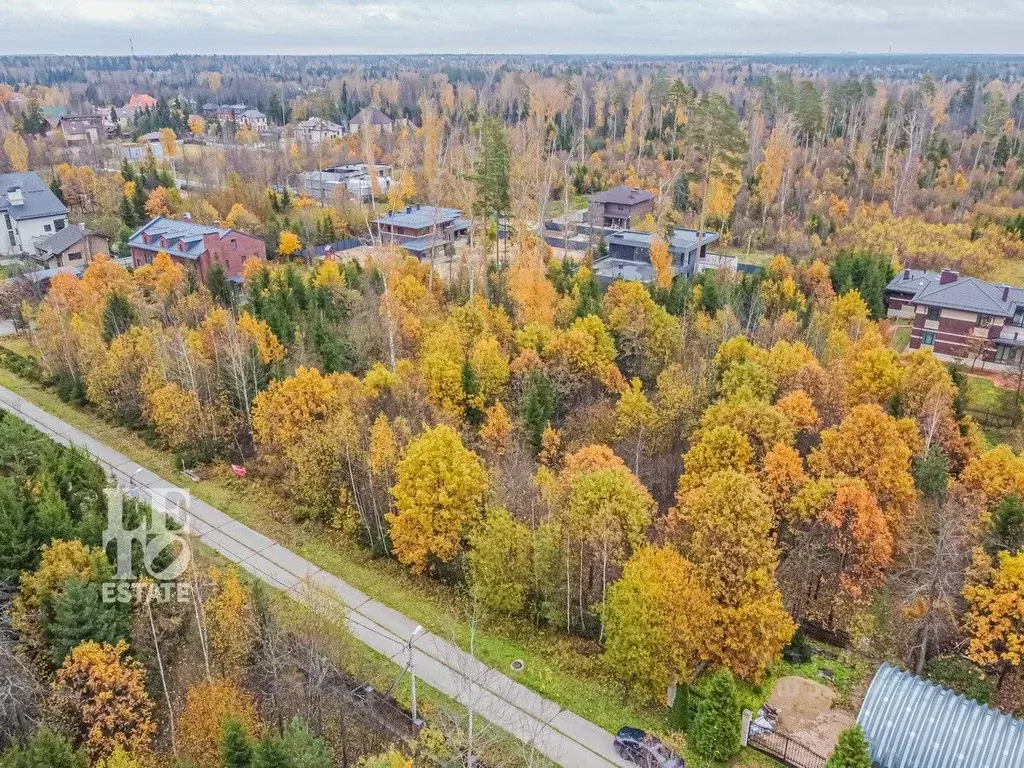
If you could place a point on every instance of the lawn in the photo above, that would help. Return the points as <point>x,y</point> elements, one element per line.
<point>900,337</point>
<point>983,396</point>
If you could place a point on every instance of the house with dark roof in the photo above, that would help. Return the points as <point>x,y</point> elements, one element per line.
<point>198,247</point>
<point>29,213</point>
<point>82,129</point>
<point>912,723</point>
<point>422,230</point>
<point>73,246</point>
<point>371,117</point>
<point>620,207</point>
<point>960,318</point>
<point>629,255</point>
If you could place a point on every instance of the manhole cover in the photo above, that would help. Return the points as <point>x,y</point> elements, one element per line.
<point>517,665</point>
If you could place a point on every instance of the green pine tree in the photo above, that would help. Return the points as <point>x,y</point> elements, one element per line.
<point>45,749</point>
<point>81,614</point>
<point>220,288</point>
<point>470,387</point>
<point>18,544</point>
<point>235,749</point>
<point>52,518</point>
<point>118,316</point>
<point>851,751</point>
<point>305,750</point>
<point>716,728</point>
<point>271,753</point>
<point>538,407</point>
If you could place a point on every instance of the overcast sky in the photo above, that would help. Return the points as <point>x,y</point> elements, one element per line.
<point>511,26</point>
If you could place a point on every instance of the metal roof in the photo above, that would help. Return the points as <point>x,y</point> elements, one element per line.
<point>911,280</point>
<point>912,723</point>
<point>622,195</point>
<point>39,200</point>
<point>420,216</point>
<point>968,294</point>
<point>168,233</point>
<point>681,241</point>
<point>59,242</point>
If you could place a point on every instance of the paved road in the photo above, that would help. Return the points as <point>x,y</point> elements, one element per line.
<point>543,725</point>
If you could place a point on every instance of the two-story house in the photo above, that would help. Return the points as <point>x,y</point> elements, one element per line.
<point>198,247</point>
<point>422,229</point>
<point>316,129</point>
<point>29,213</point>
<point>620,207</point>
<point>960,318</point>
<point>629,255</point>
<point>254,120</point>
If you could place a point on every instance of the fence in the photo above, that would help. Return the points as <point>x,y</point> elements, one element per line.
<point>786,750</point>
<point>991,418</point>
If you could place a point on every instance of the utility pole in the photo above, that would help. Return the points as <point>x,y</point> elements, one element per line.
<point>412,673</point>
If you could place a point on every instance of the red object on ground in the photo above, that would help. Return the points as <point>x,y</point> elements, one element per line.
<point>240,471</point>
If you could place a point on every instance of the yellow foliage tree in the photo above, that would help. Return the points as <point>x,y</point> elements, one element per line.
<point>724,529</point>
<point>439,495</point>
<point>995,616</point>
<point>230,624</point>
<point>661,260</point>
<point>208,707</point>
<point>158,203</point>
<point>99,693</point>
<point>17,151</point>
<point>288,244</point>
<point>655,618</point>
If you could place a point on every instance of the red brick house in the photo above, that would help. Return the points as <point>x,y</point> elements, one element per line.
<point>196,246</point>
<point>960,318</point>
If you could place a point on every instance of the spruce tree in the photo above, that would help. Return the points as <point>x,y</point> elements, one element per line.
<point>18,546</point>
<point>538,407</point>
<point>716,729</point>
<point>271,753</point>
<point>118,316</point>
<point>235,749</point>
<point>45,749</point>
<point>851,751</point>
<point>80,614</point>
<point>304,750</point>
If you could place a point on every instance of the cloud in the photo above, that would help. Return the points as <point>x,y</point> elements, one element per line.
<point>509,26</point>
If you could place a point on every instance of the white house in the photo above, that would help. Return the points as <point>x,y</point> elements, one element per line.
<point>254,120</point>
<point>316,129</point>
<point>29,213</point>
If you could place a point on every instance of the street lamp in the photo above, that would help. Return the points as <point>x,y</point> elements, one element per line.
<point>412,673</point>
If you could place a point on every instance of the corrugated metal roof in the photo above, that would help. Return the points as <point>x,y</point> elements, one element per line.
<point>912,723</point>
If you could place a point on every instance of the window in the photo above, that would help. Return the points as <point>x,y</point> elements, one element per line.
<point>984,321</point>
<point>234,244</point>
<point>59,224</point>
<point>47,228</point>
<point>934,313</point>
<point>928,340</point>
<point>7,218</point>
<point>74,256</point>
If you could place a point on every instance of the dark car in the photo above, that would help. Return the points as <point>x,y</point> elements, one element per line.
<point>645,750</point>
